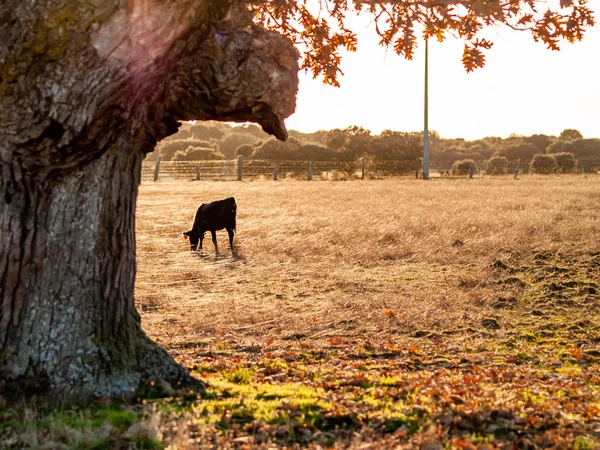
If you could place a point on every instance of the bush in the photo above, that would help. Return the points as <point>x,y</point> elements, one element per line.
<point>199,131</point>
<point>313,152</point>
<point>543,164</point>
<point>498,165</point>
<point>565,162</point>
<point>523,151</point>
<point>168,148</point>
<point>198,154</point>
<point>153,156</point>
<point>293,149</point>
<point>446,158</point>
<point>276,149</point>
<point>570,135</point>
<point>250,129</point>
<point>482,147</point>
<point>336,175</point>
<point>230,143</point>
<point>208,131</point>
<point>541,141</point>
<point>587,152</point>
<point>555,147</point>
<point>394,145</point>
<point>463,166</point>
<point>589,148</point>
<point>244,150</point>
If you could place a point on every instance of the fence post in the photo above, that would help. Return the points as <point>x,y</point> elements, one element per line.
<point>157,167</point>
<point>197,173</point>
<point>362,176</point>
<point>275,172</point>
<point>310,171</point>
<point>517,169</point>
<point>471,171</point>
<point>240,166</point>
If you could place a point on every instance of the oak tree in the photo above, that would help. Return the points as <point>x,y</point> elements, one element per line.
<point>88,87</point>
<point>320,28</point>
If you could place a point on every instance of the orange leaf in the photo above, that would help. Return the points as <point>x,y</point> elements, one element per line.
<point>576,353</point>
<point>440,35</point>
<point>525,19</point>
<point>414,350</point>
<point>464,444</point>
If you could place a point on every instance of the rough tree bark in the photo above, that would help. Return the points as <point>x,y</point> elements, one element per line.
<point>86,89</point>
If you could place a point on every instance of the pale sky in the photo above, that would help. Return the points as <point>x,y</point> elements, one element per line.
<point>524,88</point>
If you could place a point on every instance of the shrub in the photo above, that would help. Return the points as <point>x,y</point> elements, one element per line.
<point>168,148</point>
<point>589,148</point>
<point>336,175</point>
<point>153,156</point>
<point>197,154</point>
<point>313,152</point>
<point>244,150</point>
<point>448,156</point>
<point>208,130</point>
<point>587,152</point>
<point>570,135</point>
<point>276,149</point>
<point>292,149</point>
<point>523,151</point>
<point>482,147</point>
<point>463,166</point>
<point>555,147</point>
<point>250,129</point>
<point>543,164</point>
<point>565,162</point>
<point>230,143</point>
<point>498,165</point>
<point>394,145</point>
<point>541,141</point>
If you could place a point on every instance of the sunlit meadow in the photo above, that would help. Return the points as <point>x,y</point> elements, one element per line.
<point>447,314</point>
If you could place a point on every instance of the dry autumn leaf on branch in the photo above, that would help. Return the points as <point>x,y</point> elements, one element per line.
<point>320,28</point>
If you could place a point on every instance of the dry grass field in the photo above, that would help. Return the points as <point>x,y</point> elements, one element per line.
<point>327,259</point>
<point>457,314</point>
<point>411,309</point>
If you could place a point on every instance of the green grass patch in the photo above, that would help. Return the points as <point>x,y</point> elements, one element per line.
<point>239,376</point>
<point>229,401</point>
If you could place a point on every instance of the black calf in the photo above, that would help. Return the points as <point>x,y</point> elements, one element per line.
<point>212,217</point>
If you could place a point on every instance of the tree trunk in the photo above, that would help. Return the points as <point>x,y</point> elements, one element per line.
<point>85,93</point>
<point>68,262</point>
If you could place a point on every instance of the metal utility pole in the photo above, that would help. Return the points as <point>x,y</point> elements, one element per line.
<point>426,118</point>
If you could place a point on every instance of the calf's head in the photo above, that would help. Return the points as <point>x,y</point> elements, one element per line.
<point>194,238</point>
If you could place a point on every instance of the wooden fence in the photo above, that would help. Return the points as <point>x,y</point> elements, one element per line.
<point>307,170</point>
<point>253,168</point>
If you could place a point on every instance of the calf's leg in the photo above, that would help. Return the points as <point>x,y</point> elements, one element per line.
<point>214,239</point>
<point>230,233</point>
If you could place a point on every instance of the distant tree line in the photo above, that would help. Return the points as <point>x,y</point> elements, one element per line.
<point>543,154</point>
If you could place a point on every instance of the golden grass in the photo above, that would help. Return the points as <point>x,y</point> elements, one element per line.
<point>360,315</point>
<point>371,259</point>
